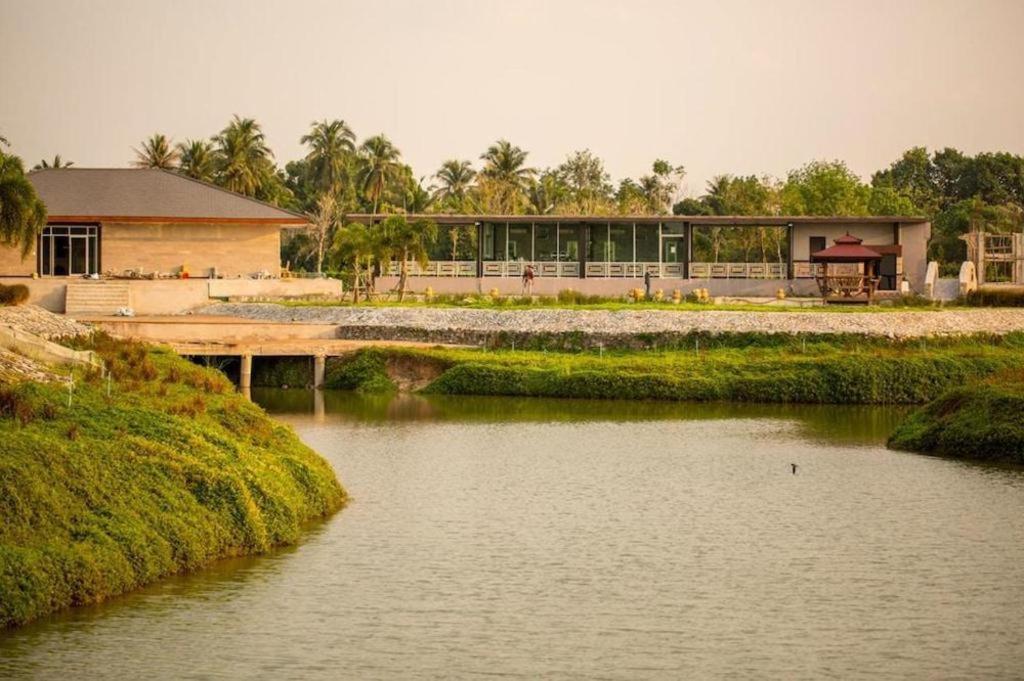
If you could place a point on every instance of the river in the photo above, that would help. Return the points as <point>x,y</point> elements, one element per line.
<point>560,539</point>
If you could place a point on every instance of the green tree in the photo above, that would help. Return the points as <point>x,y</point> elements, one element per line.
<point>379,166</point>
<point>57,162</point>
<point>331,146</point>
<point>455,180</point>
<point>545,193</point>
<point>243,161</point>
<point>587,187</point>
<point>407,241</point>
<point>508,176</point>
<point>824,188</point>
<point>156,152</point>
<point>354,246</point>
<point>196,159</point>
<point>22,213</point>
<point>912,177</point>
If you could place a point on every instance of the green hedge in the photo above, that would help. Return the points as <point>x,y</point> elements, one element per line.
<point>364,371</point>
<point>170,471</point>
<point>996,297</point>
<point>983,421</point>
<point>896,373</point>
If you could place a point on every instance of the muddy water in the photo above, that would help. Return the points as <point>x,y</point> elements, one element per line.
<point>527,539</point>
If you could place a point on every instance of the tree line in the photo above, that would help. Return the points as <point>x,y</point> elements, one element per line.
<point>341,174</point>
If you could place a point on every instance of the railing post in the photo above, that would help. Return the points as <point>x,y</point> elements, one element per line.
<point>790,240</point>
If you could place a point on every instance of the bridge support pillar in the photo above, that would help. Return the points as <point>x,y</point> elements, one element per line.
<point>245,375</point>
<point>319,370</point>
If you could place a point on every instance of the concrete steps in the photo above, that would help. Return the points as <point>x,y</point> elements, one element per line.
<point>101,298</point>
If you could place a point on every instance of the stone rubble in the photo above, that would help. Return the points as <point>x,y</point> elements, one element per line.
<point>437,322</point>
<point>41,322</point>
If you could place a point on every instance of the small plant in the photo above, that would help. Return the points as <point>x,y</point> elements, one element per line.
<point>13,295</point>
<point>659,295</point>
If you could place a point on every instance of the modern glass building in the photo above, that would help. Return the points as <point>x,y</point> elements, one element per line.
<point>684,248</point>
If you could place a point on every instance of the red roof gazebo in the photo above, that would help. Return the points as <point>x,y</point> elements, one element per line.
<point>840,284</point>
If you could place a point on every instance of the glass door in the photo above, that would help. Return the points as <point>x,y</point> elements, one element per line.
<point>672,249</point>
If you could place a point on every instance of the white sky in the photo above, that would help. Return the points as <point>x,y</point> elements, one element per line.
<point>741,87</point>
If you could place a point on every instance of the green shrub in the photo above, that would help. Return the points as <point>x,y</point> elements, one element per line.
<point>159,477</point>
<point>983,420</point>
<point>16,294</point>
<point>995,297</point>
<point>364,371</point>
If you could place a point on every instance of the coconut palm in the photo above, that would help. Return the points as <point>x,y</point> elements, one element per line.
<point>244,162</point>
<point>156,152</point>
<point>505,165</point>
<point>379,166</point>
<point>331,144</point>
<point>57,162</point>
<point>455,178</point>
<point>22,214</point>
<point>407,241</point>
<point>196,159</point>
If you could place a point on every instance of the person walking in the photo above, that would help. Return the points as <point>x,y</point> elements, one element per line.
<point>528,280</point>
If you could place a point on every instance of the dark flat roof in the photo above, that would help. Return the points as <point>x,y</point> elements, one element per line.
<point>655,219</point>
<point>147,195</point>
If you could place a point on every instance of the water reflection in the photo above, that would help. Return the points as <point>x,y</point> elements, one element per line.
<point>849,424</point>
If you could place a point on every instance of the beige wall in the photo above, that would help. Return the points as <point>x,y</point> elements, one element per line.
<point>13,265</point>
<point>872,234</point>
<point>234,250</point>
<point>914,239</point>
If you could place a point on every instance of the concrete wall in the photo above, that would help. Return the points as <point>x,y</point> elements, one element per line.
<point>13,265</point>
<point>606,287</point>
<point>914,239</point>
<point>274,288</point>
<point>48,294</point>
<point>234,250</point>
<point>872,234</point>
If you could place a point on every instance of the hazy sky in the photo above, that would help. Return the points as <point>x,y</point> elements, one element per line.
<point>742,87</point>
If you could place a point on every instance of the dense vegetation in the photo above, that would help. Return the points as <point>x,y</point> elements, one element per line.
<point>15,294</point>
<point>161,470</point>
<point>983,420</point>
<point>747,368</point>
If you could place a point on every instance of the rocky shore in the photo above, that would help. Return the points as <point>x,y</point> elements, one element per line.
<point>456,325</point>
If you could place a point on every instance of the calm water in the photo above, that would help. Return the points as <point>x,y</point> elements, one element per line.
<point>493,537</point>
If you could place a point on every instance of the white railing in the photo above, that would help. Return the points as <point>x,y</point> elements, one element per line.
<point>612,270</point>
<point>514,268</point>
<point>738,270</point>
<point>437,268</point>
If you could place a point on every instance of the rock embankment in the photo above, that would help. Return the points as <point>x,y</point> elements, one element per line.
<point>40,322</point>
<point>455,325</point>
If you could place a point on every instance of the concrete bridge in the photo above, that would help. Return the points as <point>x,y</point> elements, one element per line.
<point>209,336</point>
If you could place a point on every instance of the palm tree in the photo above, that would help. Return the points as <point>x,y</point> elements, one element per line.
<point>406,242</point>
<point>57,162</point>
<point>244,162</point>
<point>331,144</point>
<point>22,214</point>
<point>354,244</point>
<point>456,178</point>
<point>156,152</point>
<point>380,165</point>
<point>196,159</point>
<point>505,164</point>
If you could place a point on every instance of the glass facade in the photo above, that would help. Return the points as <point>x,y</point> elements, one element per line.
<point>620,242</point>
<point>69,250</point>
<point>545,242</point>
<point>454,242</point>
<point>569,243</point>
<point>647,240</point>
<point>495,237</point>
<point>520,243</point>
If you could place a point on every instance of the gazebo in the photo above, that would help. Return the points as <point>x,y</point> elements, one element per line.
<point>848,272</point>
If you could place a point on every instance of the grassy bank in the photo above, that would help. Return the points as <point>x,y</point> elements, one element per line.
<point>160,470</point>
<point>984,420</point>
<point>745,368</point>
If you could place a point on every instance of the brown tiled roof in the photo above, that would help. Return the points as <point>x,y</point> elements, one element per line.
<point>147,195</point>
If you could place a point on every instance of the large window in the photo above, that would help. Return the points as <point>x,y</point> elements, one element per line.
<point>69,250</point>
<point>545,242</point>
<point>520,242</point>
<point>495,236</point>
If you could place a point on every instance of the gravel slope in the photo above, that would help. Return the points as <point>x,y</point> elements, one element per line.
<point>896,324</point>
